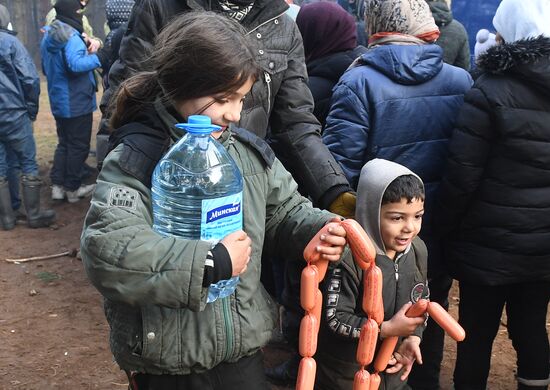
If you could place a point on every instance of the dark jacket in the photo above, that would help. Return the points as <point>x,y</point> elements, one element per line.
<point>399,103</point>
<point>495,197</point>
<point>19,83</point>
<point>453,37</point>
<point>69,70</point>
<point>324,73</point>
<point>280,100</point>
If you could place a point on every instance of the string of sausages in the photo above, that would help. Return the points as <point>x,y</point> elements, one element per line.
<point>311,300</point>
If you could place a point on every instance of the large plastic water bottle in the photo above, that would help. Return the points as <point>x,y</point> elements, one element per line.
<point>197,192</point>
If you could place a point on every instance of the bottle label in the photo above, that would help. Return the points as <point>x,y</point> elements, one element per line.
<point>221,216</point>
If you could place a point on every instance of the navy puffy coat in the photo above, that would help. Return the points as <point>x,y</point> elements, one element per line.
<point>69,70</point>
<point>19,82</point>
<point>399,103</point>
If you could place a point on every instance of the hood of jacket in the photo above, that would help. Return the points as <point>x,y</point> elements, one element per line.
<point>405,64</point>
<point>528,59</point>
<point>4,17</point>
<point>58,33</point>
<point>441,12</point>
<point>376,176</point>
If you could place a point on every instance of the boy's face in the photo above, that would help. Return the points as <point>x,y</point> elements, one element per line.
<point>399,224</point>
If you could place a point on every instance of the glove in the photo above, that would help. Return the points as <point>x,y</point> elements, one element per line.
<point>344,205</point>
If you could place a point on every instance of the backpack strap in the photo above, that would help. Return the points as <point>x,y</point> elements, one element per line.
<point>257,143</point>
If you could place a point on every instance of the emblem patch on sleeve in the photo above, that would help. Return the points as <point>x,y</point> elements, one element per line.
<point>123,197</point>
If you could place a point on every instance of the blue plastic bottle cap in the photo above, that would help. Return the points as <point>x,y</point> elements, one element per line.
<point>198,124</point>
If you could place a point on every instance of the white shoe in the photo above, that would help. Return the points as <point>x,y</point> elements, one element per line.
<point>82,192</point>
<point>58,192</point>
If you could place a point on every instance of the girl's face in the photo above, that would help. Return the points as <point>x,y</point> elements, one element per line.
<point>221,109</point>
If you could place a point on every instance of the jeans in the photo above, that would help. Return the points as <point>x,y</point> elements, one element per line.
<point>480,311</point>
<point>72,150</point>
<point>17,144</point>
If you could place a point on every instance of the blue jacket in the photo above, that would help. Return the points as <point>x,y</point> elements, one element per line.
<point>399,103</point>
<point>69,70</point>
<point>19,82</point>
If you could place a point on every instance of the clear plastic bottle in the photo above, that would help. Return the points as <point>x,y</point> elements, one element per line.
<point>197,192</point>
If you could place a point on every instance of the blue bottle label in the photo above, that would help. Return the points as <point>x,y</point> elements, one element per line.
<point>221,216</point>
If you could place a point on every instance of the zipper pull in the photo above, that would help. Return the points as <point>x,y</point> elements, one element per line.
<point>396,266</point>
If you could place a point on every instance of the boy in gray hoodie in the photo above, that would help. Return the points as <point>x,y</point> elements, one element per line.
<point>390,205</point>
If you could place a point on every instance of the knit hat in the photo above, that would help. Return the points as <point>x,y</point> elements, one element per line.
<point>69,12</point>
<point>484,40</point>
<point>118,12</point>
<point>326,28</point>
<point>520,19</point>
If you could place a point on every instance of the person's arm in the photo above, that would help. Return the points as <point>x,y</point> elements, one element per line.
<point>296,133</point>
<point>126,260</point>
<point>77,58</point>
<point>28,78</point>
<point>469,150</point>
<point>347,131</point>
<point>463,57</point>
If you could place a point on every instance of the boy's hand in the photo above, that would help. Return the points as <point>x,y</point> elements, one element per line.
<point>239,246</point>
<point>335,240</point>
<point>404,357</point>
<point>400,324</point>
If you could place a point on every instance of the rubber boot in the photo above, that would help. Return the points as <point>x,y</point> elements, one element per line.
<point>7,217</point>
<point>31,200</point>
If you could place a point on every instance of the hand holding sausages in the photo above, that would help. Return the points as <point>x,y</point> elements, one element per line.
<point>328,243</point>
<point>400,324</point>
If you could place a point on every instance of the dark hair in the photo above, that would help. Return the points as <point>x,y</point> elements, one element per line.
<point>198,54</point>
<point>406,186</point>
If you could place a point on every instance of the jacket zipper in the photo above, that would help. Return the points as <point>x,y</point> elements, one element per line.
<point>268,82</point>
<point>227,318</point>
<point>396,266</point>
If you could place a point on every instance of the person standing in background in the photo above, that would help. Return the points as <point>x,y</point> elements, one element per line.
<point>71,88</point>
<point>19,91</point>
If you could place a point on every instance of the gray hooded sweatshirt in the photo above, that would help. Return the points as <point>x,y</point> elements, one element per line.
<point>343,315</point>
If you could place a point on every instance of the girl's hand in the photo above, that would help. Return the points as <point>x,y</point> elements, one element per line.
<point>239,246</point>
<point>405,356</point>
<point>335,240</point>
<point>400,324</point>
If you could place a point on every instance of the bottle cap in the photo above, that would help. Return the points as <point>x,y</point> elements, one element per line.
<point>198,124</point>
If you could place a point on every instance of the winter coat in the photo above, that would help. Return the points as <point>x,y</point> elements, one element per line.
<point>453,37</point>
<point>154,299</point>
<point>69,70</point>
<point>324,73</point>
<point>399,103</point>
<point>495,197</point>
<point>19,83</point>
<point>279,101</point>
<point>404,280</point>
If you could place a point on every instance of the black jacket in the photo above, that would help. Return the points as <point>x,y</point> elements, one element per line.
<point>495,197</point>
<point>280,99</point>
<point>324,73</point>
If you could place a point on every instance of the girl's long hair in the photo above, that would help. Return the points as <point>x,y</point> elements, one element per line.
<point>198,54</point>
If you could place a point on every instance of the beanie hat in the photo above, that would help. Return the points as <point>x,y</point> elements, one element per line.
<point>520,19</point>
<point>118,12</point>
<point>68,11</point>
<point>484,40</point>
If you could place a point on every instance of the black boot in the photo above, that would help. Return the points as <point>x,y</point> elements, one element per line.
<point>284,374</point>
<point>31,200</point>
<point>7,217</point>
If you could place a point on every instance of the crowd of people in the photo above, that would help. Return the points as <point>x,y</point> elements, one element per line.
<point>364,109</point>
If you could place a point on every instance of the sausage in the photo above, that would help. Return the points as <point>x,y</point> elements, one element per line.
<point>374,381</point>
<point>378,314</point>
<point>310,252</point>
<point>322,266</point>
<point>384,353</point>
<point>308,287</point>
<point>361,380</point>
<point>418,309</point>
<point>445,320</point>
<point>361,245</point>
<point>318,308</point>
<point>306,374</point>
<point>308,336</point>
<point>367,342</point>
<point>372,290</point>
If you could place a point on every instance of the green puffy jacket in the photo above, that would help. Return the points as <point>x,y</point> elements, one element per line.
<point>154,299</point>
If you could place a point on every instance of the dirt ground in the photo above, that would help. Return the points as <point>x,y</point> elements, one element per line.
<point>53,334</point>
